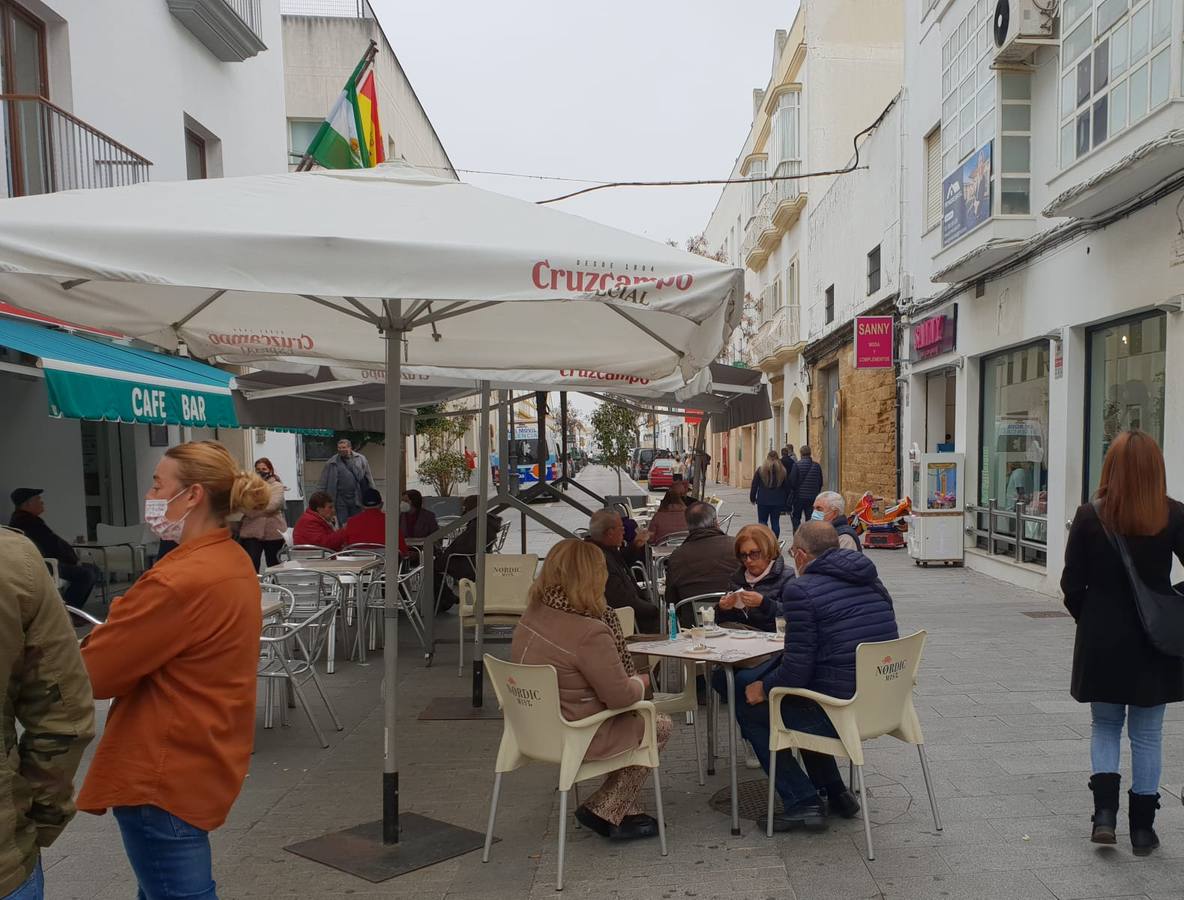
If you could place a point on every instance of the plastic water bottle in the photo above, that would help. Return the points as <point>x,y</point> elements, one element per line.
<point>672,622</point>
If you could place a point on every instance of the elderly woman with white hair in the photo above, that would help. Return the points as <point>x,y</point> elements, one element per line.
<point>830,506</point>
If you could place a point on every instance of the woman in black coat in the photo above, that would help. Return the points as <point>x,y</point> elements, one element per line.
<point>1115,668</point>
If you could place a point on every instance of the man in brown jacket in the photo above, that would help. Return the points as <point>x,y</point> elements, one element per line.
<point>703,564</point>
<point>49,695</point>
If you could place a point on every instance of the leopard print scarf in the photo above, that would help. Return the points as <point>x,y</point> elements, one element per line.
<point>556,598</point>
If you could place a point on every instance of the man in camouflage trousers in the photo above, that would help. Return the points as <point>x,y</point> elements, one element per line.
<point>47,691</point>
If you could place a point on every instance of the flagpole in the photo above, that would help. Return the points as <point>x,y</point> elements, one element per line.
<point>306,161</point>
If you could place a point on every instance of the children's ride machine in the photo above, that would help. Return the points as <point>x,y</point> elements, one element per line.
<point>883,530</point>
<point>937,532</point>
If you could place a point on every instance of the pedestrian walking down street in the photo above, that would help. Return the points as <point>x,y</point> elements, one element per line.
<point>345,477</point>
<point>770,492</point>
<point>806,487</point>
<point>178,653</point>
<point>1116,668</point>
<point>48,694</point>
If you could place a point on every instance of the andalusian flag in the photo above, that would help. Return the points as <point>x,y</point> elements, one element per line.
<point>350,138</point>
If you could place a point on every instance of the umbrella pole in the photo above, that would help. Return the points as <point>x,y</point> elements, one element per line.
<point>563,452</point>
<point>393,452</point>
<point>482,540</point>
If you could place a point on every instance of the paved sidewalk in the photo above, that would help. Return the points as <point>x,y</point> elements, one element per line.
<point>1008,748</point>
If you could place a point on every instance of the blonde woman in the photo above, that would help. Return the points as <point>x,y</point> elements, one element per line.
<point>770,492</point>
<point>567,625</point>
<point>179,652</point>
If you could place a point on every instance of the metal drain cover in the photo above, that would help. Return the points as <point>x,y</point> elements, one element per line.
<point>754,800</point>
<point>1047,614</point>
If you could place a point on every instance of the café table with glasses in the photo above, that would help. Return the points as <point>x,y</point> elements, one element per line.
<point>725,648</point>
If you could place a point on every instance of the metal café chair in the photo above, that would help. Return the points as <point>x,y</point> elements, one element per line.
<point>406,601</point>
<point>290,652</point>
<point>726,522</point>
<point>313,590</point>
<point>698,603</point>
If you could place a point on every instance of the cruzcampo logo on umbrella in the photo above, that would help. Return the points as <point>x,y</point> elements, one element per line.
<point>351,137</point>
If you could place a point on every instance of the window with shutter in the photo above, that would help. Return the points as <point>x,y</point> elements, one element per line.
<point>933,178</point>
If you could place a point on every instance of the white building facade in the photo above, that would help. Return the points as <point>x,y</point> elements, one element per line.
<point>165,89</point>
<point>1043,227</point>
<point>834,70</point>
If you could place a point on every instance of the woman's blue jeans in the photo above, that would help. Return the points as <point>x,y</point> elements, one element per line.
<point>1144,726</point>
<point>771,516</point>
<point>170,857</point>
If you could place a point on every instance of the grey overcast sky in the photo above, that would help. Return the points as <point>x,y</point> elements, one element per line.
<point>616,90</point>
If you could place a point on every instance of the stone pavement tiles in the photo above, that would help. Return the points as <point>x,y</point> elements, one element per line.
<point>1008,748</point>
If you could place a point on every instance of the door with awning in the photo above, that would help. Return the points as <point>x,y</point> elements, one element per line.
<point>91,378</point>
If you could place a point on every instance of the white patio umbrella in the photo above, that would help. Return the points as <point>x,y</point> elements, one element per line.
<point>380,267</point>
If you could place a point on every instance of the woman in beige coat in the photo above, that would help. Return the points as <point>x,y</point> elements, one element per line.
<point>262,530</point>
<point>567,625</point>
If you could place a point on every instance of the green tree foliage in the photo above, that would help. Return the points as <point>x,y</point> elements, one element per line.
<point>444,466</point>
<point>614,430</point>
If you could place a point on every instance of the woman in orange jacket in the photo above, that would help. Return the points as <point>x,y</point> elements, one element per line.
<point>179,653</point>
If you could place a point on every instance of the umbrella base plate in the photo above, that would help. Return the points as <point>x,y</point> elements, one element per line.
<point>360,851</point>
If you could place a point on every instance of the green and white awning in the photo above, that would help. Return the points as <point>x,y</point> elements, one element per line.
<point>90,378</point>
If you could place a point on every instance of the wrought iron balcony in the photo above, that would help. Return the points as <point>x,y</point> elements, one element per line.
<point>231,29</point>
<point>788,194</point>
<point>758,225</point>
<point>780,333</point>
<point>47,149</point>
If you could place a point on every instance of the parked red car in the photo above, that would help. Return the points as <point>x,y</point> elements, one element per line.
<point>661,474</point>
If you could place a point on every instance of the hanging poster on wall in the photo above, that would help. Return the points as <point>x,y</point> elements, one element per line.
<point>873,342</point>
<point>966,196</point>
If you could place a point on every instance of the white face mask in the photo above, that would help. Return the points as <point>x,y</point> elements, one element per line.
<point>404,507</point>
<point>164,528</point>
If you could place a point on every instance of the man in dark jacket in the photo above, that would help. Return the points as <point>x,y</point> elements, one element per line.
<point>607,531</point>
<point>806,484</point>
<point>703,564</point>
<point>836,603</point>
<point>462,550</point>
<point>789,463</point>
<point>829,506</point>
<point>81,577</point>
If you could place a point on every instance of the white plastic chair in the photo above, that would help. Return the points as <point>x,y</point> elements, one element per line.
<point>628,619</point>
<point>535,731</point>
<point>508,578</point>
<point>885,673</point>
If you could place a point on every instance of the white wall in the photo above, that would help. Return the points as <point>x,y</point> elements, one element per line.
<point>319,54</point>
<point>41,452</point>
<point>134,71</point>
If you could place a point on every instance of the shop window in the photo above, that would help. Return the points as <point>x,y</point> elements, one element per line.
<point>1115,68</point>
<point>1013,454</point>
<point>873,270</point>
<point>1127,372</point>
<point>830,304</point>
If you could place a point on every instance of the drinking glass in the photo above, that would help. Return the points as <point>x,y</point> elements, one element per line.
<point>780,620</point>
<point>708,616</point>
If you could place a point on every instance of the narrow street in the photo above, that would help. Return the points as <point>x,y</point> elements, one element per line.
<point>1008,748</point>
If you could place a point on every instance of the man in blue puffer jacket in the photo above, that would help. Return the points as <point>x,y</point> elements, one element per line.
<point>836,603</point>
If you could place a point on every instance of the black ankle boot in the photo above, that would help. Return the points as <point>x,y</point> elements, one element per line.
<point>1142,817</point>
<point>1105,787</point>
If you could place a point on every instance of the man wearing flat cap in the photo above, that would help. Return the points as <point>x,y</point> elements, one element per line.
<point>28,507</point>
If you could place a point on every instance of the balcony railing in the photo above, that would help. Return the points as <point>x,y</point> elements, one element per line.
<point>337,9</point>
<point>781,331</point>
<point>787,189</point>
<point>231,29</point>
<point>758,224</point>
<point>46,149</point>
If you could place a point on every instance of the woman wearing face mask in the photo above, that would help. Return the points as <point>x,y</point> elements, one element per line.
<point>414,520</point>
<point>262,531</point>
<point>179,651</point>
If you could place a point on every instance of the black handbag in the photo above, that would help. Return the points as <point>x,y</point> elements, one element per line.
<point>1161,614</point>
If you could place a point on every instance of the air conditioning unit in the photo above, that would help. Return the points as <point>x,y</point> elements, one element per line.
<point>1021,27</point>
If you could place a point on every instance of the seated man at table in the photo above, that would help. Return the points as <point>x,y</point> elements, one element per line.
<point>462,549</point>
<point>315,528</point>
<point>836,603</point>
<point>27,516</point>
<point>703,564</point>
<point>369,526</point>
<point>607,531</point>
<point>829,506</point>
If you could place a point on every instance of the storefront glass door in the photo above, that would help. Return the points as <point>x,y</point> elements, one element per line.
<point>1127,371</point>
<point>1013,456</point>
<point>830,468</point>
